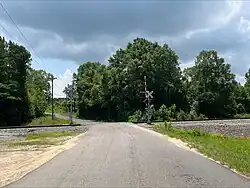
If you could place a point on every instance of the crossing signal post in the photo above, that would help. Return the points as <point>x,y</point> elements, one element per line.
<point>148,98</point>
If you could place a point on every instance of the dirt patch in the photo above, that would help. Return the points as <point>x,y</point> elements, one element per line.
<point>18,161</point>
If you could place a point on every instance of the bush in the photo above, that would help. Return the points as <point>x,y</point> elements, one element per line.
<point>240,108</point>
<point>193,115</point>
<point>136,117</point>
<point>242,116</point>
<point>181,116</point>
<point>202,117</point>
<point>196,132</point>
<point>166,114</point>
<point>168,125</point>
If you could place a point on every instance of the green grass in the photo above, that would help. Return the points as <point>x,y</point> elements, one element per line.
<point>45,135</point>
<point>242,116</point>
<point>32,143</point>
<point>47,120</point>
<point>74,115</point>
<point>232,151</point>
<point>45,138</point>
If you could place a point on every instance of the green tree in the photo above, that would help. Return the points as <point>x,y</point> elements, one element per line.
<point>38,88</point>
<point>143,58</point>
<point>15,60</point>
<point>213,82</point>
<point>89,89</point>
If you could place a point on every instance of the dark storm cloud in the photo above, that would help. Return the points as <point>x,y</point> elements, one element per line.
<point>228,41</point>
<point>91,30</point>
<point>84,20</point>
<point>219,39</point>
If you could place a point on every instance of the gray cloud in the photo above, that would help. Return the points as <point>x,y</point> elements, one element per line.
<point>91,31</point>
<point>84,20</point>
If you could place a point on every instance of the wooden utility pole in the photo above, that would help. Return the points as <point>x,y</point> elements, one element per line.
<point>71,109</point>
<point>52,97</point>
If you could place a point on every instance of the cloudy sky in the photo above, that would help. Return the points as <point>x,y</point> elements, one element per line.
<point>66,33</point>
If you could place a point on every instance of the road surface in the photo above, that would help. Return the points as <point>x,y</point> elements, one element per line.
<point>121,155</point>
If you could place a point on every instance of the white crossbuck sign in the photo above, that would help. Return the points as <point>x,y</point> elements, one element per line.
<point>149,94</point>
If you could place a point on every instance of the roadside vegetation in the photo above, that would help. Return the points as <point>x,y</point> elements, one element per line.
<point>242,116</point>
<point>47,120</point>
<point>45,135</point>
<point>113,92</point>
<point>62,106</point>
<point>231,151</point>
<point>44,138</point>
<point>24,91</point>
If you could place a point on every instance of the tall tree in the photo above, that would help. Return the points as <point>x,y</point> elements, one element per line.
<point>160,66</point>
<point>38,88</point>
<point>89,84</point>
<point>214,84</point>
<point>14,99</point>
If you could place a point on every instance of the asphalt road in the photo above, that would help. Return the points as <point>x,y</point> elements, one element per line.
<point>121,155</point>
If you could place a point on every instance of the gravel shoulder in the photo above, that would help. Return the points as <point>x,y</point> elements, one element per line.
<point>16,162</point>
<point>18,159</point>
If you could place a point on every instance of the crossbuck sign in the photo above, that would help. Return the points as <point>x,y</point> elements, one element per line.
<point>149,94</point>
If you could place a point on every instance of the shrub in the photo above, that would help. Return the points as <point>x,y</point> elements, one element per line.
<point>181,116</point>
<point>193,115</point>
<point>240,108</point>
<point>196,132</point>
<point>168,125</point>
<point>242,116</point>
<point>202,117</point>
<point>172,111</point>
<point>166,114</point>
<point>136,117</point>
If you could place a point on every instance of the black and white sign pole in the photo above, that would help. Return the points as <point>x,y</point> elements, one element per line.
<point>148,98</point>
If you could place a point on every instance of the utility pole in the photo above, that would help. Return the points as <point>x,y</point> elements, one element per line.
<point>52,97</point>
<point>70,113</point>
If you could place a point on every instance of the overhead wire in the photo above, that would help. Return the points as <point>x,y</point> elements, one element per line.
<point>6,31</point>
<point>25,38</point>
<point>20,31</point>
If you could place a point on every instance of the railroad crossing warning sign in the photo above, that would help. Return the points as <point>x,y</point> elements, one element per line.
<point>149,94</point>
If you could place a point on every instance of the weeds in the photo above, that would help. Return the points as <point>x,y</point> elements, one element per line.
<point>233,151</point>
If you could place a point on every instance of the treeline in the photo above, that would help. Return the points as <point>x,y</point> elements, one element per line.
<point>24,92</point>
<point>114,92</point>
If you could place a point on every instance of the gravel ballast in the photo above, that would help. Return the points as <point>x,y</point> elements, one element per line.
<point>235,127</point>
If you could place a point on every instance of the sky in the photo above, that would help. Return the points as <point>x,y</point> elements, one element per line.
<point>62,34</point>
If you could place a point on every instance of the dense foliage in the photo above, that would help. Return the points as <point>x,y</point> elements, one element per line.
<point>24,92</point>
<point>114,92</point>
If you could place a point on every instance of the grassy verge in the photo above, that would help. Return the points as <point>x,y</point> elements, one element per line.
<point>232,151</point>
<point>242,116</point>
<point>45,135</point>
<point>47,120</point>
<point>45,138</point>
<point>74,115</point>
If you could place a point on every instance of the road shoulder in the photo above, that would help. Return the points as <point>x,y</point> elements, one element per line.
<point>17,163</point>
<point>186,146</point>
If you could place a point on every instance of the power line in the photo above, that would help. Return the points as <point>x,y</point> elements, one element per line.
<point>20,31</point>
<point>6,31</point>
<point>10,35</point>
